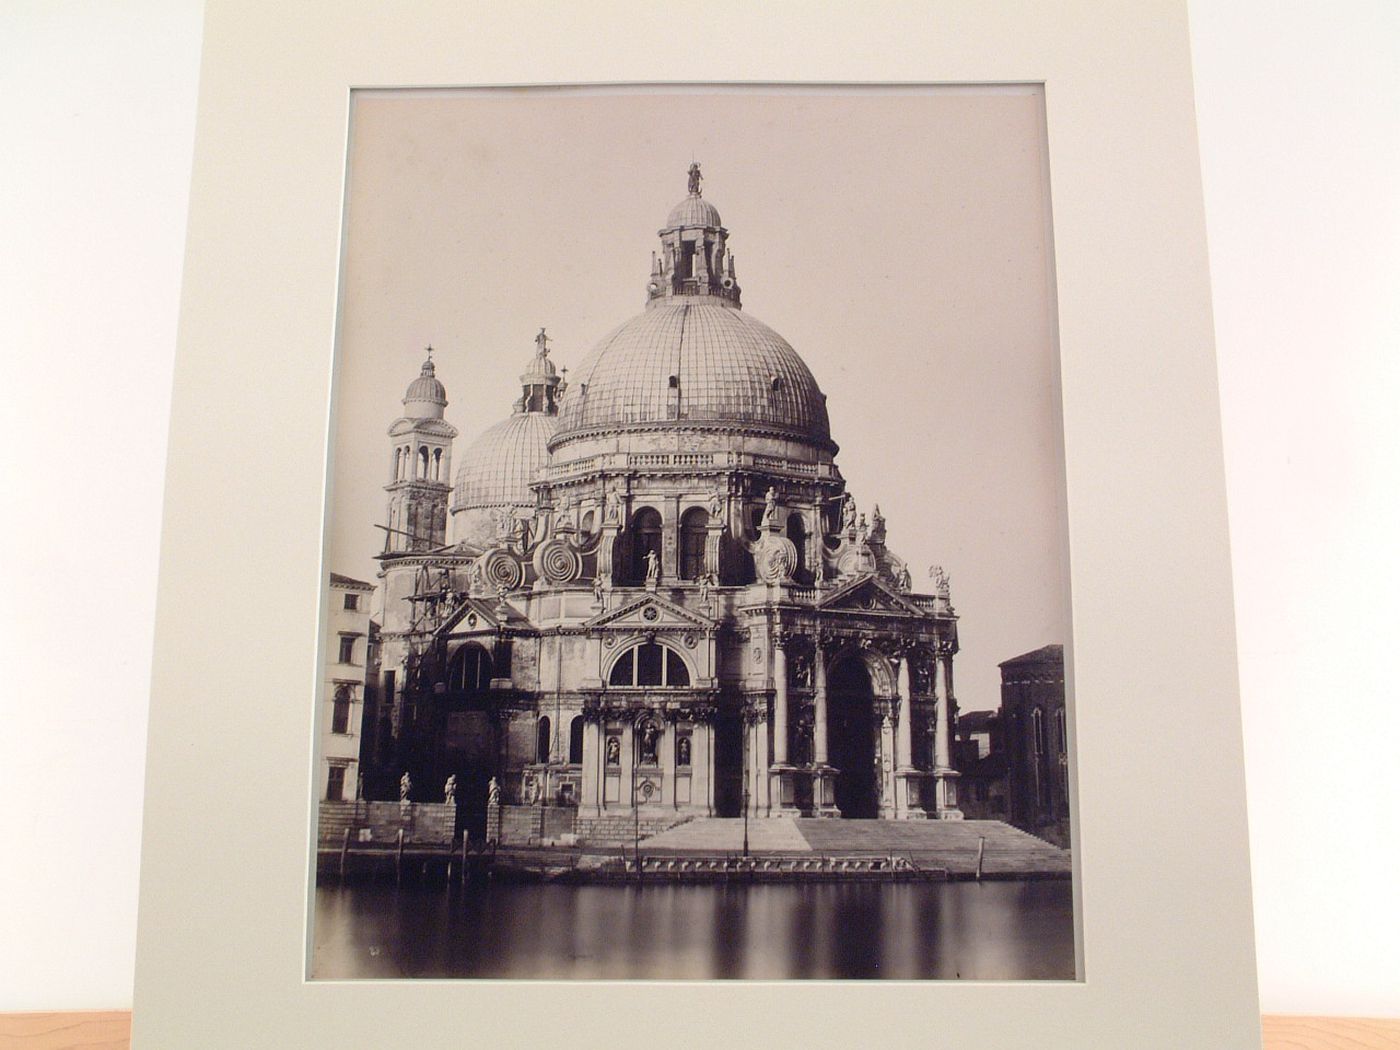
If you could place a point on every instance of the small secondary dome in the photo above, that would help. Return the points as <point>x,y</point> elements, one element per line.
<point>497,467</point>
<point>693,211</point>
<point>426,397</point>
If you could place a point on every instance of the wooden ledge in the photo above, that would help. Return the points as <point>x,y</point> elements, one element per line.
<point>111,1030</point>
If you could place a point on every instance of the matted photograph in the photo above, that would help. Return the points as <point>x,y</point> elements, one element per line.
<point>697,595</point>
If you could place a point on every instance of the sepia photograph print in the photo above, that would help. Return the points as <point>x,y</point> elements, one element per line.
<point>697,595</point>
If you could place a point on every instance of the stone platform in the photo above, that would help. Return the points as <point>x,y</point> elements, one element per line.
<point>952,845</point>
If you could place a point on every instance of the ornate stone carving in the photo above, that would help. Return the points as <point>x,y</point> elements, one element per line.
<point>499,568</point>
<point>776,559</point>
<point>557,563</point>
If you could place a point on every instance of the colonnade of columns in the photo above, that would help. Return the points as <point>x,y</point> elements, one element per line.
<point>906,792</point>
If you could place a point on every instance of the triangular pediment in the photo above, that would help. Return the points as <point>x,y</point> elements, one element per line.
<point>869,594</point>
<point>651,613</point>
<point>475,616</point>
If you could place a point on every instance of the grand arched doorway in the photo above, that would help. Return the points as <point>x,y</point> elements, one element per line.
<point>851,737</point>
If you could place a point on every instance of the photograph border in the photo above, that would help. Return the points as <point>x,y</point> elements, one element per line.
<point>1162,878</point>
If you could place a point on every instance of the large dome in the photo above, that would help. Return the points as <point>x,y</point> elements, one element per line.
<point>688,361</point>
<point>497,467</point>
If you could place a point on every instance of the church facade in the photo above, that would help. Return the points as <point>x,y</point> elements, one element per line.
<point>647,590</point>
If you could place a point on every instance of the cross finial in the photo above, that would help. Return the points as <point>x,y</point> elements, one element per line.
<point>542,343</point>
<point>694,183</point>
<point>430,351</point>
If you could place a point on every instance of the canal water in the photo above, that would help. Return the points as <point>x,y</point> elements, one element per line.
<point>948,930</point>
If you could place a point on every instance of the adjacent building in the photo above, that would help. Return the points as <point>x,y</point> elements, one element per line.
<point>1037,742</point>
<point>648,589</point>
<point>348,650</point>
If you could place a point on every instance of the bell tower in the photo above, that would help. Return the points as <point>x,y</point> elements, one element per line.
<point>420,463</point>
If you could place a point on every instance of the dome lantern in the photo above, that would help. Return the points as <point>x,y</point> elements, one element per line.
<point>540,383</point>
<point>425,397</point>
<point>694,262</point>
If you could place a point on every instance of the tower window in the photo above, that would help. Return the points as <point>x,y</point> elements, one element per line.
<point>437,464</point>
<point>692,543</point>
<point>576,740</point>
<point>347,648</point>
<point>542,740</point>
<point>422,461</point>
<point>335,784</point>
<point>798,535</point>
<point>352,602</point>
<point>646,538</point>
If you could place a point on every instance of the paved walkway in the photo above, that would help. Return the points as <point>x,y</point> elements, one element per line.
<point>726,835</point>
<point>951,844</point>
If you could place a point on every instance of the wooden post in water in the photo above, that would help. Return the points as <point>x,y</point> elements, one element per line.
<point>398,861</point>
<point>344,849</point>
<point>981,848</point>
<point>465,840</point>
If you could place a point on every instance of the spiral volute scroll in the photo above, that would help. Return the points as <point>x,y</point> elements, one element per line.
<point>557,562</point>
<point>499,568</point>
<point>776,559</point>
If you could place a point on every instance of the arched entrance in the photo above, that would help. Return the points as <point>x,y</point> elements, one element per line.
<point>851,737</point>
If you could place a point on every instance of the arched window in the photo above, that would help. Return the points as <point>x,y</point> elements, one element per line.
<point>542,739</point>
<point>437,464</point>
<point>1061,741</point>
<point>650,664</point>
<point>340,713</point>
<point>692,543</point>
<point>470,669</point>
<point>646,537</point>
<point>576,740</point>
<point>797,533</point>
<point>1038,731</point>
<point>422,461</point>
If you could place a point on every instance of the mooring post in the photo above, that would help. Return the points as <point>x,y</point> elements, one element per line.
<point>981,848</point>
<point>465,840</point>
<point>398,861</point>
<point>344,849</point>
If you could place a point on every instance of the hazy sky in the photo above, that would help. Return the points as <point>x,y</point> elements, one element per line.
<point>898,240</point>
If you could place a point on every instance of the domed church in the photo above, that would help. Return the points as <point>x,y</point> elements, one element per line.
<point>647,593</point>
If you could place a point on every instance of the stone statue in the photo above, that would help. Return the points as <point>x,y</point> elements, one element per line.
<point>598,589</point>
<point>940,580</point>
<point>653,567</point>
<point>542,344</point>
<point>705,588</point>
<point>848,513</point>
<point>476,579</point>
<point>449,790</point>
<point>683,751</point>
<point>877,525</point>
<point>614,751</point>
<point>905,582</point>
<point>770,506</point>
<point>405,786</point>
<point>650,734</point>
<point>716,506</point>
<point>693,182</point>
<point>819,570</point>
<point>493,793</point>
<point>612,510</point>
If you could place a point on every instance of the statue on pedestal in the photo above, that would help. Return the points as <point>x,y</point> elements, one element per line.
<point>493,793</point>
<point>770,506</point>
<point>848,513</point>
<point>449,790</point>
<point>405,786</point>
<point>653,567</point>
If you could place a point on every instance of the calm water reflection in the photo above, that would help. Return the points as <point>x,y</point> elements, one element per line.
<point>987,931</point>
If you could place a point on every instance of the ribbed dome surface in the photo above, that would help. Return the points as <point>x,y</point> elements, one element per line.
<point>693,211</point>
<point>729,367</point>
<point>498,467</point>
<point>426,388</point>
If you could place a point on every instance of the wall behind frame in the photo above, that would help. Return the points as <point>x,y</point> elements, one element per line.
<point>1300,138</point>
